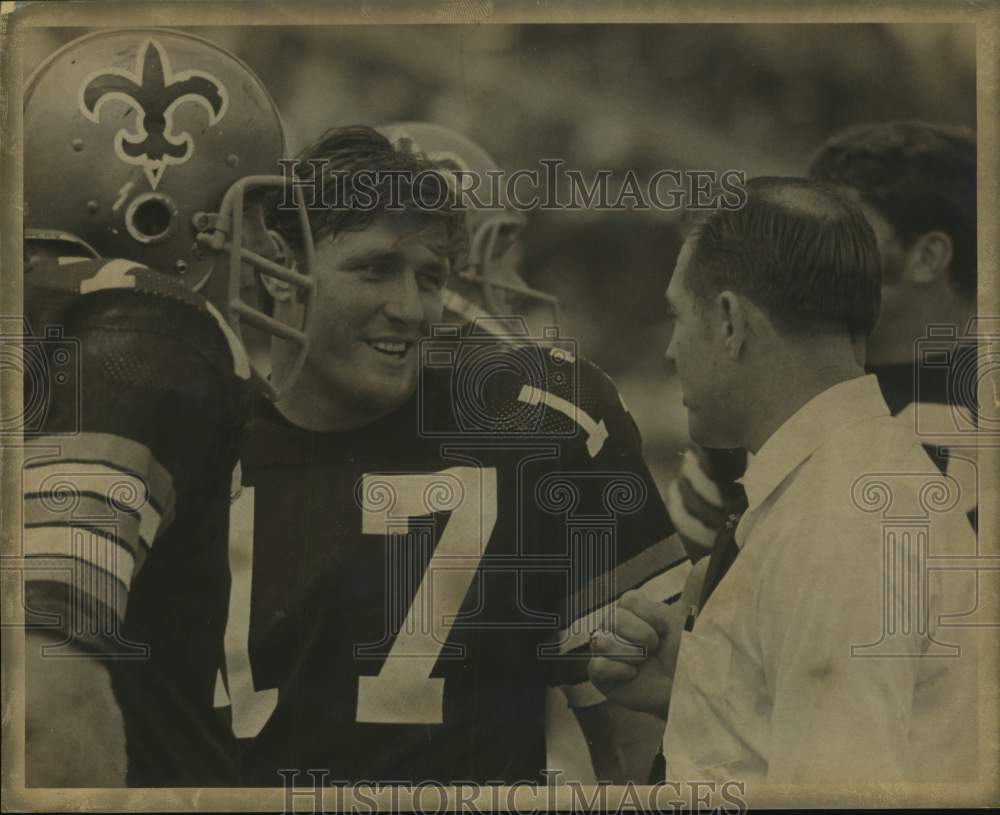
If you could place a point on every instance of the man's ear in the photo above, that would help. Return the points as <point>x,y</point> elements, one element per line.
<point>258,238</point>
<point>279,290</point>
<point>732,322</point>
<point>256,235</point>
<point>929,258</point>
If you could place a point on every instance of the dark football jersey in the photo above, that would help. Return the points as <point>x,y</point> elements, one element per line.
<point>136,394</point>
<point>936,396</point>
<point>417,584</point>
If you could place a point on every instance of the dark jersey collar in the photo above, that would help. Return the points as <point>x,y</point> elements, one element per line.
<point>930,380</point>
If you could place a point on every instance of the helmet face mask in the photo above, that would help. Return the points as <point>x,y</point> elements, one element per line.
<point>490,283</point>
<point>491,277</point>
<point>238,238</point>
<point>161,139</point>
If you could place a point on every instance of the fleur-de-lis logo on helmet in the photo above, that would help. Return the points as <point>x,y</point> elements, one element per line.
<point>154,92</point>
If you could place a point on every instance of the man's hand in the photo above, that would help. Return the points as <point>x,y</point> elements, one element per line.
<point>633,662</point>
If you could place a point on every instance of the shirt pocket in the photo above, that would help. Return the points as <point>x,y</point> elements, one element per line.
<point>705,668</point>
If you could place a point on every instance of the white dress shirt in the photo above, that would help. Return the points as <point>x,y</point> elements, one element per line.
<point>823,655</point>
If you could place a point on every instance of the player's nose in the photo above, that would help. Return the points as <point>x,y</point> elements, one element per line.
<point>669,353</point>
<point>405,303</point>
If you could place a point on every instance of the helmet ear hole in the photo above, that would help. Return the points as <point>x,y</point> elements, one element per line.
<point>151,218</point>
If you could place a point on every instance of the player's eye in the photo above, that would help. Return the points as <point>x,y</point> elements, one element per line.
<point>432,277</point>
<point>371,269</point>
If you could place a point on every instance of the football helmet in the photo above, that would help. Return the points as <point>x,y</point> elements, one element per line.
<point>149,145</point>
<point>490,284</point>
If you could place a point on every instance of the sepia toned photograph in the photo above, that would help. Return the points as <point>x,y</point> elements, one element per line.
<point>467,407</point>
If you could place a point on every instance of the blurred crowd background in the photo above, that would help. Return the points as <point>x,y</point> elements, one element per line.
<point>756,98</point>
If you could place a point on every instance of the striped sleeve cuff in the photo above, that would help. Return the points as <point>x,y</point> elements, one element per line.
<point>93,506</point>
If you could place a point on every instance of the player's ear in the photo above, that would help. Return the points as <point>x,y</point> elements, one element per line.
<point>929,258</point>
<point>276,248</point>
<point>256,235</point>
<point>256,238</point>
<point>279,290</point>
<point>733,322</point>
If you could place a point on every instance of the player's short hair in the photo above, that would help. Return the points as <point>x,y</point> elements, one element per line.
<point>362,175</point>
<point>800,250</point>
<point>920,177</point>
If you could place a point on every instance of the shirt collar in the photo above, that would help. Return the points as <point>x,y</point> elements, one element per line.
<point>807,430</point>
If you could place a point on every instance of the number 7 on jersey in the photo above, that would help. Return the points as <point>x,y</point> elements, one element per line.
<point>404,692</point>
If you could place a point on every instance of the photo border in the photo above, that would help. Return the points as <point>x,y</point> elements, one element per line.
<point>18,18</point>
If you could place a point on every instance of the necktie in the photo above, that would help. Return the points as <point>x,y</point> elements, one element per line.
<point>724,552</point>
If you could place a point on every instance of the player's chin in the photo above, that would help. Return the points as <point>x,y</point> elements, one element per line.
<point>385,391</point>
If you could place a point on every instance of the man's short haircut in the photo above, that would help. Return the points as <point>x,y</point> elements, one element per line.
<point>363,175</point>
<point>800,250</point>
<point>919,177</point>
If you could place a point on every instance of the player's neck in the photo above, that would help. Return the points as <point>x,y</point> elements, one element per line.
<point>307,405</point>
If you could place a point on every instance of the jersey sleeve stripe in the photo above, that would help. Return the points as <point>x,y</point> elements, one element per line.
<point>58,492</point>
<point>700,481</point>
<point>583,694</point>
<point>597,432</point>
<point>665,583</point>
<point>55,590</point>
<point>688,526</point>
<point>71,545</point>
<point>665,555</point>
<point>578,633</point>
<point>668,586</point>
<point>711,515</point>
<point>569,673</point>
<point>68,477</point>
<point>137,555</point>
<point>134,529</point>
<point>117,454</point>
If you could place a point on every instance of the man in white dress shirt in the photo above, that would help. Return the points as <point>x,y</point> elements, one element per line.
<point>824,655</point>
